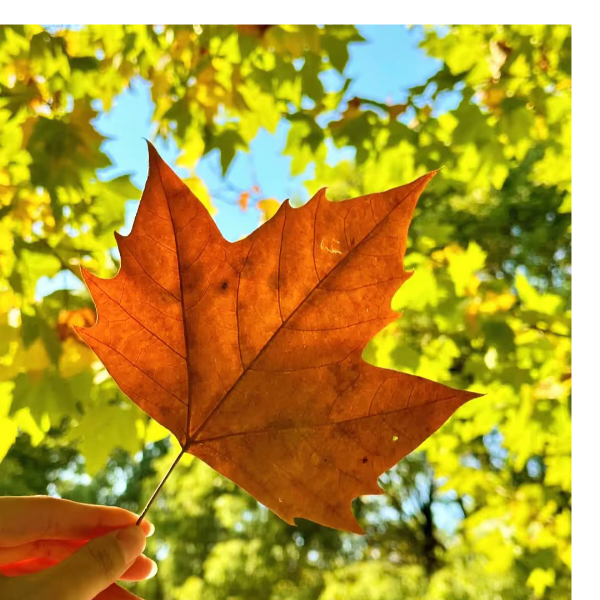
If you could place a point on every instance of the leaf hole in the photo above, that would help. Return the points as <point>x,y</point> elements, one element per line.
<point>394,438</point>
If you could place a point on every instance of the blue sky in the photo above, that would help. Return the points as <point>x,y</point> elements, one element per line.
<point>383,68</point>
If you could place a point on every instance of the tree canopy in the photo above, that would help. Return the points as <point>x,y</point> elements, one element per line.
<point>482,509</point>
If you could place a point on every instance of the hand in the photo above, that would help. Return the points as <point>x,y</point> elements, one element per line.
<point>52,549</point>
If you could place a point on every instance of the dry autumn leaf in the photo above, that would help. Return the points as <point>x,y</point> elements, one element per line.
<point>243,200</point>
<point>250,352</point>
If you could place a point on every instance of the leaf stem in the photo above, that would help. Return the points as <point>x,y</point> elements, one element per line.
<point>159,487</point>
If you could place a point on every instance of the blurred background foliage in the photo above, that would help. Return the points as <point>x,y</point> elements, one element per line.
<point>482,509</point>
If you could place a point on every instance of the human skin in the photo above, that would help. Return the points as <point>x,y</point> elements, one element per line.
<point>54,549</point>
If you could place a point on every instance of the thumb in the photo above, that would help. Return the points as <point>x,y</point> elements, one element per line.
<point>96,565</point>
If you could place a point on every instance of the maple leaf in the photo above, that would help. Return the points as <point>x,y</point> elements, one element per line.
<point>250,352</point>
<point>243,200</point>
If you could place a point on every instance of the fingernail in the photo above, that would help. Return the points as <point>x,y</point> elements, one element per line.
<point>153,571</point>
<point>132,541</point>
<point>151,528</point>
<point>148,526</point>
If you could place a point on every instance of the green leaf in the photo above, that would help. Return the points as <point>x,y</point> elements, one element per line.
<point>311,83</point>
<point>499,335</point>
<point>227,142</point>
<point>65,151</point>
<point>47,395</point>
<point>30,328</point>
<point>337,50</point>
<point>103,428</point>
<point>107,203</point>
<point>19,96</point>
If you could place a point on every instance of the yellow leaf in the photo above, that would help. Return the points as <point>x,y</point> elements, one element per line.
<point>565,555</point>
<point>540,579</point>
<point>493,302</point>
<point>74,358</point>
<point>8,428</point>
<point>200,190</point>
<point>462,266</point>
<point>268,208</point>
<point>192,151</point>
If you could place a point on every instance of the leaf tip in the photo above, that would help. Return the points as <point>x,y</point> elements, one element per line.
<point>88,277</point>
<point>153,155</point>
<point>82,332</point>
<point>354,527</point>
<point>321,194</point>
<point>467,396</point>
<point>92,283</point>
<point>425,179</point>
<point>119,239</point>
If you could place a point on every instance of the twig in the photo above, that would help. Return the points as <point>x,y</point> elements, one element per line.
<point>542,330</point>
<point>163,481</point>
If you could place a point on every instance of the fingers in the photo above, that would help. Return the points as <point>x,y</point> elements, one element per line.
<point>95,566</point>
<point>51,549</point>
<point>142,568</point>
<point>112,592</point>
<point>37,556</point>
<point>26,519</point>
<point>115,592</point>
<point>26,567</point>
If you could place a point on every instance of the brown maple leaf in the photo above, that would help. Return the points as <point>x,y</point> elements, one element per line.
<point>250,352</point>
